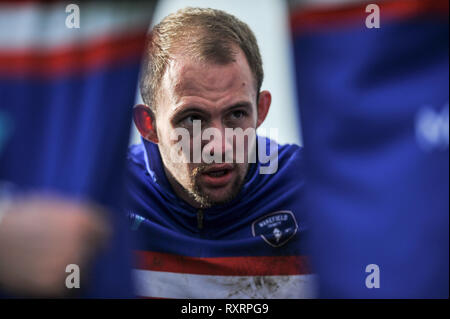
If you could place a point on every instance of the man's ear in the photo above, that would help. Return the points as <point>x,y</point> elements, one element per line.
<point>265,98</point>
<point>144,119</point>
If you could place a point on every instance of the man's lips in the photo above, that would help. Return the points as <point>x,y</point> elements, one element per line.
<point>217,175</point>
<point>217,168</point>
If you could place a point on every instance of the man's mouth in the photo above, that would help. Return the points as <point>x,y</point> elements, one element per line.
<point>218,175</point>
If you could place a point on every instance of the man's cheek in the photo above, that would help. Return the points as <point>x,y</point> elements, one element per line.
<point>181,172</point>
<point>179,147</point>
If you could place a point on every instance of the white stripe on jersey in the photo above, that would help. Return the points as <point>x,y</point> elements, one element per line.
<point>43,27</point>
<point>157,284</point>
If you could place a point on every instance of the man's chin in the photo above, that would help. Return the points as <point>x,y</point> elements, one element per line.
<point>214,194</point>
<point>217,197</point>
<point>217,200</point>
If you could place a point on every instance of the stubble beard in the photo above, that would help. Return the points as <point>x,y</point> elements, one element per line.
<point>196,191</point>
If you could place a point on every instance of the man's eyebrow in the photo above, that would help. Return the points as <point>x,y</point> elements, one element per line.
<point>240,104</point>
<point>185,110</point>
<point>196,109</point>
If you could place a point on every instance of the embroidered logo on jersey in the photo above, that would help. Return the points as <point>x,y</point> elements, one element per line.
<point>276,228</point>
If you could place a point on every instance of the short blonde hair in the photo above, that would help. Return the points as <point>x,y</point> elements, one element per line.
<point>206,34</point>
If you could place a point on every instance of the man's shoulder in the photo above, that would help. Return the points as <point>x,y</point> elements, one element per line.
<point>284,166</point>
<point>291,161</point>
<point>288,154</point>
<point>136,163</point>
<point>136,154</point>
<point>291,151</point>
<point>286,149</point>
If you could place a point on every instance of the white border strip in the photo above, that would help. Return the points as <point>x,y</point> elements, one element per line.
<point>157,284</point>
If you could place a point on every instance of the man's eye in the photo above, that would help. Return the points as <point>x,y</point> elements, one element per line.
<point>237,114</point>
<point>190,119</point>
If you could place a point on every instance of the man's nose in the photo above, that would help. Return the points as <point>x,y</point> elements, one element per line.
<point>217,141</point>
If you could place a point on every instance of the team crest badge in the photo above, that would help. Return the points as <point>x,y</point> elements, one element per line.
<point>276,228</point>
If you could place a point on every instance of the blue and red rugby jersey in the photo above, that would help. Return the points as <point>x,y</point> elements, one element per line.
<point>252,247</point>
<point>66,96</point>
<point>374,106</point>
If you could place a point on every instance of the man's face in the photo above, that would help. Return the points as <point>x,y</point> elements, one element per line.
<point>220,97</point>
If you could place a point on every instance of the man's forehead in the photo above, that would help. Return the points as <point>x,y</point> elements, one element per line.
<point>186,75</point>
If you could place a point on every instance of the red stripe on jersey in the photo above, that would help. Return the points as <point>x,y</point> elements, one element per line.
<point>224,266</point>
<point>325,18</point>
<point>79,57</point>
